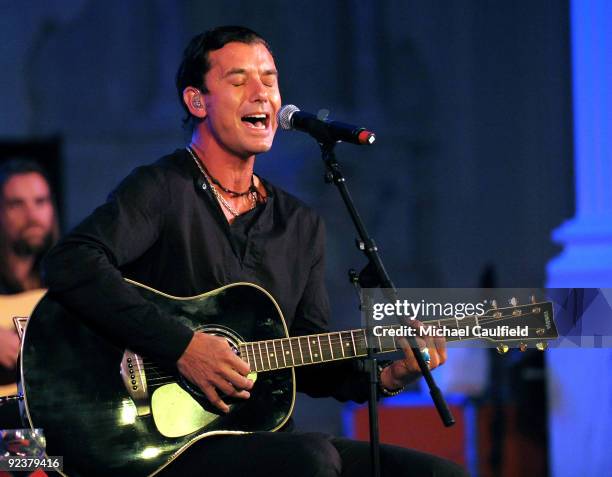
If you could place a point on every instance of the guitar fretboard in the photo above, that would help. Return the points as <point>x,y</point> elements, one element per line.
<point>321,348</point>
<point>303,350</point>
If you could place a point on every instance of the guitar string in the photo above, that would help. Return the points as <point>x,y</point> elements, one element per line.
<point>336,339</point>
<point>336,336</point>
<point>359,342</point>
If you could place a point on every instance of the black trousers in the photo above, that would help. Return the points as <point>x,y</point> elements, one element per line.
<point>282,454</point>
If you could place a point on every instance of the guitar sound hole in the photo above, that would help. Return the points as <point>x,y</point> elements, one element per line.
<point>200,396</point>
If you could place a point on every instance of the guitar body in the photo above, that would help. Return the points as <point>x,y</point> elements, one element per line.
<point>20,304</point>
<point>75,391</point>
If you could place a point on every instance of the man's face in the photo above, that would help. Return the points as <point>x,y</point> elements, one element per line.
<point>242,98</point>
<point>26,213</point>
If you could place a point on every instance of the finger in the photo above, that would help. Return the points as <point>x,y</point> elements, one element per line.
<point>405,345</point>
<point>234,361</point>
<point>239,364</point>
<point>213,397</point>
<point>421,340</point>
<point>440,343</point>
<point>224,386</point>
<point>229,390</point>
<point>237,380</point>
<point>241,394</point>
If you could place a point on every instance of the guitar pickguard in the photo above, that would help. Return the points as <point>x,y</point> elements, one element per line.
<point>176,413</point>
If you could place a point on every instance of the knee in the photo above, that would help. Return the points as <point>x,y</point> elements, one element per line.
<point>317,457</point>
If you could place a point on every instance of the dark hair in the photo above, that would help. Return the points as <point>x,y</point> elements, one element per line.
<point>195,63</point>
<point>15,167</point>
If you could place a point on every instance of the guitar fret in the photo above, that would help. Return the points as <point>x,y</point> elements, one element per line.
<point>310,350</point>
<point>253,354</point>
<point>268,355</point>
<point>331,349</point>
<point>289,341</point>
<point>354,347</point>
<point>244,353</point>
<point>346,344</point>
<point>380,348</point>
<point>341,345</point>
<point>282,352</point>
<point>357,340</point>
<point>275,354</point>
<point>365,341</point>
<point>301,352</point>
<point>320,349</point>
<point>260,356</point>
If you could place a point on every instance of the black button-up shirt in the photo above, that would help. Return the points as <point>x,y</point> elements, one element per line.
<point>164,228</point>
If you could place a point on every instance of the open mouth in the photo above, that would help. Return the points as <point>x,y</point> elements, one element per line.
<point>256,120</point>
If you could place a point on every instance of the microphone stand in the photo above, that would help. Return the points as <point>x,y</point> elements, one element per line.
<point>375,275</point>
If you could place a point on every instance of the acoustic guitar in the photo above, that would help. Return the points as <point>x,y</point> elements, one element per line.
<point>20,304</point>
<point>109,411</point>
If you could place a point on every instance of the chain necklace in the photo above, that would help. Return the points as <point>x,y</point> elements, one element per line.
<point>231,192</point>
<point>252,192</point>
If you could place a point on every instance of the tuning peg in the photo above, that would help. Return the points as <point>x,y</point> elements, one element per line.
<point>513,301</point>
<point>502,348</point>
<point>494,304</point>
<point>532,299</point>
<point>541,345</point>
<point>523,347</point>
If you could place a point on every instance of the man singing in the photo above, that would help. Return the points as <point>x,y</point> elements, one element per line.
<point>199,219</point>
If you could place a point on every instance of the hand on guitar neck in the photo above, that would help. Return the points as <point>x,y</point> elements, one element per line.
<point>402,372</point>
<point>210,363</point>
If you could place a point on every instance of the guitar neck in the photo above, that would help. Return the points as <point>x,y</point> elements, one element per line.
<point>325,347</point>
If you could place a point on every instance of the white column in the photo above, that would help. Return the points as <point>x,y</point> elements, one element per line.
<point>580,380</point>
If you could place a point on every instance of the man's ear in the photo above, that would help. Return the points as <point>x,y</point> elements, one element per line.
<point>194,100</point>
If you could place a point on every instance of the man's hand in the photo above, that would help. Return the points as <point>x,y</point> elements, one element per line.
<point>404,371</point>
<point>209,363</point>
<point>9,349</point>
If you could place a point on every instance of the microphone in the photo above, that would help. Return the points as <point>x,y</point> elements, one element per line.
<point>290,117</point>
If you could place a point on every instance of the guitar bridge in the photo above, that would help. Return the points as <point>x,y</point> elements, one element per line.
<point>134,379</point>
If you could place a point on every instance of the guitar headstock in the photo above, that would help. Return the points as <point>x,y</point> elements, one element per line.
<point>535,321</point>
